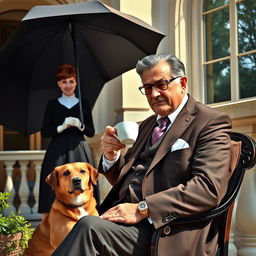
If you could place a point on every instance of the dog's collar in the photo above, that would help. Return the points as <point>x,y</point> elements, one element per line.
<point>70,205</point>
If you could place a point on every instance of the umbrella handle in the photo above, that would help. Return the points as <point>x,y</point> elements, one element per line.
<point>79,96</point>
<point>73,36</point>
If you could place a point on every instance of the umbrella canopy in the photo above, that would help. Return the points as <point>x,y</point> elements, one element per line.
<point>99,40</point>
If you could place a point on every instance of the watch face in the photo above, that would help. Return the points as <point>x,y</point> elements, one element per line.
<point>143,206</point>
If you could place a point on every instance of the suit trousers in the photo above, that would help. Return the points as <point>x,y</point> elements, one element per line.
<point>93,236</point>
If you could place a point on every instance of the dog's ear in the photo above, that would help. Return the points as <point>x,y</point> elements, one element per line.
<point>52,179</point>
<point>93,173</point>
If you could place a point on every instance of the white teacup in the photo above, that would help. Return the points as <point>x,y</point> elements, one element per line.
<point>127,132</point>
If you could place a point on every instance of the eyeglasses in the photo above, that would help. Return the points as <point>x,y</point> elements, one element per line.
<point>160,85</point>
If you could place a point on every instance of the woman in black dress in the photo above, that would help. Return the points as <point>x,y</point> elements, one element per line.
<point>62,124</point>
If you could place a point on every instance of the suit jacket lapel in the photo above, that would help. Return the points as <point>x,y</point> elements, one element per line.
<point>182,122</point>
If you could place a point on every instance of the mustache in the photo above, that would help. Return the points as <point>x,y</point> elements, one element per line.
<point>158,99</point>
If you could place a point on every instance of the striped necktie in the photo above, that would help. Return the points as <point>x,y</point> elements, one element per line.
<point>159,130</point>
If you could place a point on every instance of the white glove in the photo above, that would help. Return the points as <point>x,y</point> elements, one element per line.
<point>81,128</point>
<point>67,123</point>
<point>77,123</point>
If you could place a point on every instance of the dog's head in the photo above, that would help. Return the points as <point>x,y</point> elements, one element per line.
<point>72,182</point>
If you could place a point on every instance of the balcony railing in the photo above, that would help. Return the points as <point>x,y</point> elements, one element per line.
<point>20,173</point>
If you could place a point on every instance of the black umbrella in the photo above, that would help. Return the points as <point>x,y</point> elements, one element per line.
<point>100,41</point>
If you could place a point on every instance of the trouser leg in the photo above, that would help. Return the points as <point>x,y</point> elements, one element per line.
<point>93,236</point>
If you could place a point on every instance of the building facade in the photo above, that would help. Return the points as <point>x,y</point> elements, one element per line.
<point>216,40</point>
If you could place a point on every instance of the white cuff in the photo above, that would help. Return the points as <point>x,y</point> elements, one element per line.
<point>150,220</point>
<point>107,164</point>
<point>60,129</point>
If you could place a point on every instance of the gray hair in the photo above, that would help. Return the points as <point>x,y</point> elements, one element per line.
<point>177,67</point>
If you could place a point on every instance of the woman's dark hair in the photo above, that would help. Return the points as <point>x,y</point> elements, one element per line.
<point>65,71</point>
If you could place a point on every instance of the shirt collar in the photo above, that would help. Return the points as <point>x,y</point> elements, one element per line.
<point>68,98</point>
<point>68,101</point>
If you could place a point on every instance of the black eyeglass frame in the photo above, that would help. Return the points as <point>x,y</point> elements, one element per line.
<point>154,85</point>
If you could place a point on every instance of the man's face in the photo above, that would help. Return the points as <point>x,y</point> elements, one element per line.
<point>166,101</point>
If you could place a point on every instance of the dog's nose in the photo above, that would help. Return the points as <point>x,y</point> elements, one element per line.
<point>76,181</point>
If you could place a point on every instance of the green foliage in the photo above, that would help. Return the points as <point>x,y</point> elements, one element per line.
<point>3,201</point>
<point>14,223</point>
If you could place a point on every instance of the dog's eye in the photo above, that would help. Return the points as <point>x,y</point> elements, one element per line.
<point>66,173</point>
<point>82,171</point>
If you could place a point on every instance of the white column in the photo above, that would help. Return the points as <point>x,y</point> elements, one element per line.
<point>24,190</point>
<point>38,165</point>
<point>232,251</point>
<point>9,184</point>
<point>246,216</point>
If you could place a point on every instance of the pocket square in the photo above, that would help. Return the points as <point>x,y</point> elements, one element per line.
<point>179,144</point>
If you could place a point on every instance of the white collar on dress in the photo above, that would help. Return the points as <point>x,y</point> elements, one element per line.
<point>68,101</point>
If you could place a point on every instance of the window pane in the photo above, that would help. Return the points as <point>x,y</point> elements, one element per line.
<point>218,82</point>
<point>247,76</point>
<point>217,34</point>
<point>246,13</point>
<point>15,141</point>
<point>211,4</point>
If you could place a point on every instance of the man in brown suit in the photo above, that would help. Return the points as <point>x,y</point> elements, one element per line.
<point>183,173</point>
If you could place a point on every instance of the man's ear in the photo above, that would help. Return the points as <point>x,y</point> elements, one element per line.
<point>93,173</point>
<point>183,82</point>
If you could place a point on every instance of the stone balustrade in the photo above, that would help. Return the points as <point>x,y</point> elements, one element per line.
<point>20,173</point>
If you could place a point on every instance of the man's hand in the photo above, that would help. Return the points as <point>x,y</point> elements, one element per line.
<point>110,144</point>
<point>124,213</point>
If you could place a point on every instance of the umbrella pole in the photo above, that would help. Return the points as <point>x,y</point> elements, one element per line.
<point>73,36</point>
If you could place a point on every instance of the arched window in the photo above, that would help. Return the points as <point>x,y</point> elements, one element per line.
<point>229,56</point>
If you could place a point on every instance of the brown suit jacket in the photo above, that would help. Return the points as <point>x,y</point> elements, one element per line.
<point>185,181</point>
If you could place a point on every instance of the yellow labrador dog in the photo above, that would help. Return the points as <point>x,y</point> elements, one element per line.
<point>73,186</point>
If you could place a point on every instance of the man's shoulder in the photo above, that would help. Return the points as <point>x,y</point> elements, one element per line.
<point>203,109</point>
<point>209,110</point>
<point>204,113</point>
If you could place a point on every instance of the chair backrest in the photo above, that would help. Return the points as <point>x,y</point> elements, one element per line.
<point>243,157</point>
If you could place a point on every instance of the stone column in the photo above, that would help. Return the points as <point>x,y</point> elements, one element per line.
<point>24,190</point>
<point>38,165</point>
<point>246,215</point>
<point>9,184</point>
<point>232,250</point>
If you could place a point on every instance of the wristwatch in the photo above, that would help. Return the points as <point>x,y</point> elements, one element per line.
<point>143,208</point>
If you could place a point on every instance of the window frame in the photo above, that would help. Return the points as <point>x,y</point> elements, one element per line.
<point>233,56</point>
